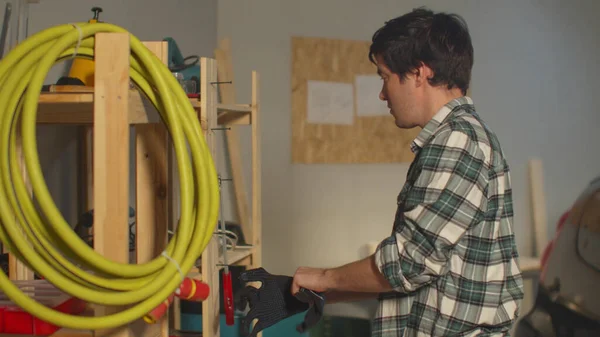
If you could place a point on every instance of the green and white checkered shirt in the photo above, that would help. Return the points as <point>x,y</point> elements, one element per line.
<point>452,257</point>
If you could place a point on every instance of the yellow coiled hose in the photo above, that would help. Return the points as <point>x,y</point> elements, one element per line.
<point>43,240</point>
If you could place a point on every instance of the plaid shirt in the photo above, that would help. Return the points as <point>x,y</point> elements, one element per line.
<point>452,258</point>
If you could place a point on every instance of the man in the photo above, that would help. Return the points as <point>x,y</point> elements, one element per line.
<point>450,266</point>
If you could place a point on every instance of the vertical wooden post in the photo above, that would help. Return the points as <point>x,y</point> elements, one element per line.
<point>256,174</point>
<point>210,256</point>
<point>111,157</point>
<point>86,172</point>
<point>152,191</point>
<point>538,206</point>
<point>227,95</point>
<point>17,270</point>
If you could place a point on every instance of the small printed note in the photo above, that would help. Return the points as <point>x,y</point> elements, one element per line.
<point>330,103</point>
<point>368,103</point>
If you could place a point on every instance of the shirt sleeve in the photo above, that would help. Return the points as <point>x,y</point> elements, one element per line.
<point>448,197</point>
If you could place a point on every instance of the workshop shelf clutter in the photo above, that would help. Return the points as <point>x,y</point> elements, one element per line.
<point>15,320</point>
<point>176,250</point>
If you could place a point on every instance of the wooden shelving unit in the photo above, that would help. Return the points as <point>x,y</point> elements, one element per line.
<point>100,111</point>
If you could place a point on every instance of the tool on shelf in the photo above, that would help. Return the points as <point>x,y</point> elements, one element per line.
<point>227,286</point>
<point>82,69</point>
<point>185,69</point>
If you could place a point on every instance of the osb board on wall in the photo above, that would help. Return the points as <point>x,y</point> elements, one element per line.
<point>369,139</point>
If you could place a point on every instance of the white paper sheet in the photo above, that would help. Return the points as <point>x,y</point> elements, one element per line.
<point>368,103</point>
<point>330,103</point>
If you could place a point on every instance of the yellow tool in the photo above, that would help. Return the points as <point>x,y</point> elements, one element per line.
<point>83,69</point>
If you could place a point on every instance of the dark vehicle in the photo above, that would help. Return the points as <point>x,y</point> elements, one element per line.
<point>568,299</point>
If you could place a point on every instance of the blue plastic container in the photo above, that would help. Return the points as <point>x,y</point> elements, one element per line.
<point>284,328</point>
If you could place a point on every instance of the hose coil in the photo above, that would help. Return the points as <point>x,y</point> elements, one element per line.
<point>43,240</point>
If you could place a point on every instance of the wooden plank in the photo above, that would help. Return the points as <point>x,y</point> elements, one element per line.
<point>87,166</point>
<point>238,256</point>
<point>230,114</point>
<point>17,270</point>
<point>256,174</point>
<point>239,108</point>
<point>227,92</point>
<point>70,88</point>
<point>152,209</point>
<point>210,256</point>
<point>245,262</point>
<point>111,158</point>
<point>78,108</point>
<point>174,202</point>
<point>538,206</point>
<point>85,176</point>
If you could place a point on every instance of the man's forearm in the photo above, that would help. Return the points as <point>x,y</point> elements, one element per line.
<point>361,276</point>
<point>348,296</point>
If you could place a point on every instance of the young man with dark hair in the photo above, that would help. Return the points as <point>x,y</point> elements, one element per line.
<point>450,266</point>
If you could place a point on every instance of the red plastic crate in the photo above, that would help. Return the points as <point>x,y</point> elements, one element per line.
<point>14,320</point>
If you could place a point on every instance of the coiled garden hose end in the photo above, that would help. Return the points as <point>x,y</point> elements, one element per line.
<point>39,236</point>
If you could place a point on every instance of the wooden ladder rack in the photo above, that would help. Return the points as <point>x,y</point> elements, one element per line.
<point>104,170</point>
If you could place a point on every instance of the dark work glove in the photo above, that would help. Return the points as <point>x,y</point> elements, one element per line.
<point>273,302</point>
<point>316,303</point>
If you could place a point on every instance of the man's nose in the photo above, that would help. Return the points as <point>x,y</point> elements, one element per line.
<point>381,96</point>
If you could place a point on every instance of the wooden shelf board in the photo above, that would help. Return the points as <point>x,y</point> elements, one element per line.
<point>77,107</point>
<point>238,108</point>
<point>234,114</point>
<point>238,256</point>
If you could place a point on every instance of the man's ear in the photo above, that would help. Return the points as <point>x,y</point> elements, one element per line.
<point>422,74</point>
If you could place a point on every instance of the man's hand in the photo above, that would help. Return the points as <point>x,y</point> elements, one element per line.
<point>315,279</point>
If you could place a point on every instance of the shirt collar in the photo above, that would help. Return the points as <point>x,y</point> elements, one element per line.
<point>435,122</point>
